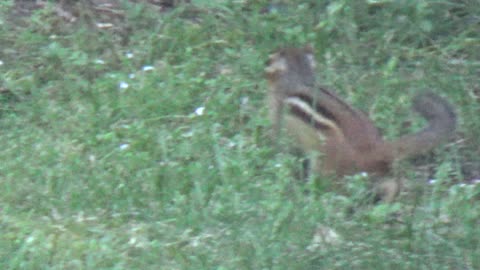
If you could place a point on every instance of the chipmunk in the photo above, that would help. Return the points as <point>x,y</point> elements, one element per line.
<point>319,121</point>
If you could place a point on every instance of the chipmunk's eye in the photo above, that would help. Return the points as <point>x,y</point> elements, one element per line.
<point>275,65</point>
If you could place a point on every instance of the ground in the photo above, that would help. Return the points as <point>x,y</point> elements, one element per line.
<point>134,135</point>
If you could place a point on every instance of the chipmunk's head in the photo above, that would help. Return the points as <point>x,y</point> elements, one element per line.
<point>291,66</point>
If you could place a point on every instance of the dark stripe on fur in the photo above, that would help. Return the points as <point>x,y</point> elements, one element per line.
<point>321,110</point>
<point>307,118</point>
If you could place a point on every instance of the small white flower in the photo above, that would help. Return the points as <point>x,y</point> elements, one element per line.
<point>99,61</point>
<point>231,144</point>
<point>432,181</point>
<point>129,55</point>
<point>124,146</point>
<point>104,25</point>
<point>132,241</point>
<point>195,242</point>
<point>30,239</point>
<point>199,110</point>
<point>148,68</point>
<point>278,165</point>
<point>1,63</point>
<point>123,85</point>
<point>244,101</point>
<point>364,174</point>
<point>131,76</point>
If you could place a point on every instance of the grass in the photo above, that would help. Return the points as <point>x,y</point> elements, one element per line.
<point>145,145</point>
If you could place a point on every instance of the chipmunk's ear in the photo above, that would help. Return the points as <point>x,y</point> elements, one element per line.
<point>308,48</point>
<point>309,54</point>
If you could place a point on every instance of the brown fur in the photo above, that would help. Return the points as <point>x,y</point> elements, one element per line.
<point>346,138</point>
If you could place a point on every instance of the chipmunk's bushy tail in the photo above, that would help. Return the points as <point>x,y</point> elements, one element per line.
<point>442,122</point>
